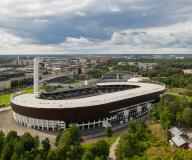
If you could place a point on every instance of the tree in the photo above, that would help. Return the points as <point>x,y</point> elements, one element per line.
<point>71,136</point>
<point>100,149</point>
<point>109,132</point>
<point>46,144</point>
<point>36,141</point>
<point>38,157</point>
<point>57,128</point>
<point>7,151</point>
<point>61,152</point>
<point>21,83</point>
<point>19,148</point>
<point>28,141</point>
<point>51,155</point>
<point>2,140</point>
<point>166,118</point>
<point>187,117</point>
<point>138,128</point>
<point>18,151</point>
<point>12,135</point>
<point>127,147</point>
<point>15,156</point>
<point>46,148</point>
<point>75,152</point>
<point>88,156</point>
<point>182,154</point>
<point>58,138</point>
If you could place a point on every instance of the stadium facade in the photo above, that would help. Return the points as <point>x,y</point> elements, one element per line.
<point>87,107</point>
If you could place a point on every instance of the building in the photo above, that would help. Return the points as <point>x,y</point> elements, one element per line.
<point>178,139</point>
<point>87,107</point>
<point>175,131</point>
<point>146,66</point>
<point>85,69</point>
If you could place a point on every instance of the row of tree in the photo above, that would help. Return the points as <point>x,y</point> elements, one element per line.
<point>161,72</point>
<point>131,144</point>
<point>25,147</point>
<point>21,83</point>
<point>178,80</point>
<point>128,68</point>
<point>68,146</point>
<point>173,110</point>
<point>140,144</point>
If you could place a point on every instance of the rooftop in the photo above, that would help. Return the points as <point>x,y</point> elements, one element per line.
<point>31,100</point>
<point>179,141</point>
<point>175,131</point>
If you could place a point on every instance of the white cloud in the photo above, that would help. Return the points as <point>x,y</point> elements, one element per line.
<point>35,8</point>
<point>171,39</point>
<point>178,35</point>
<point>29,20</point>
<point>39,8</point>
<point>82,41</point>
<point>81,13</point>
<point>8,40</point>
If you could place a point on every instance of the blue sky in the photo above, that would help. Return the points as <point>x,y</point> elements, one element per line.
<point>96,26</point>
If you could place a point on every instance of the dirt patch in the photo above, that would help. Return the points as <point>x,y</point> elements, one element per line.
<point>158,132</point>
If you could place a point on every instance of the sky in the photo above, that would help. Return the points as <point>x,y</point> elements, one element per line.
<point>95,26</point>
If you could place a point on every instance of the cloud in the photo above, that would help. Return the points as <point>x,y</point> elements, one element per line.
<point>169,39</point>
<point>81,13</point>
<point>38,8</point>
<point>92,26</point>
<point>178,35</point>
<point>8,40</point>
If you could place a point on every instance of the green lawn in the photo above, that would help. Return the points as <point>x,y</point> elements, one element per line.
<point>28,90</point>
<point>5,98</point>
<point>176,90</point>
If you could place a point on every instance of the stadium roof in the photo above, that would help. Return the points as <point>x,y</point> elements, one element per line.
<point>30,100</point>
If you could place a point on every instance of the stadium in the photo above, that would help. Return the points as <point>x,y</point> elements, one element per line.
<point>87,106</point>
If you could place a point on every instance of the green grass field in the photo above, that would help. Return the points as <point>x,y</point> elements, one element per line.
<point>5,98</point>
<point>28,90</point>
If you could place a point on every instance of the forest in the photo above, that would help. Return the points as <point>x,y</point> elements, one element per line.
<point>68,146</point>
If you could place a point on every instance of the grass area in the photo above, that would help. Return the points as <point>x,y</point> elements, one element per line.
<point>28,90</point>
<point>176,90</point>
<point>109,140</point>
<point>163,152</point>
<point>5,98</point>
<point>158,132</point>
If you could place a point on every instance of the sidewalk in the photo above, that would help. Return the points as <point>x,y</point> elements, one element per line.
<point>5,109</point>
<point>112,155</point>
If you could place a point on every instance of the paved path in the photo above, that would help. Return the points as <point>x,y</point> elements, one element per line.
<point>7,123</point>
<point>5,109</point>
<point>112,155</point>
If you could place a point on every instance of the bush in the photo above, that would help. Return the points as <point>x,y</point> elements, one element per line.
<point>109,132</point>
